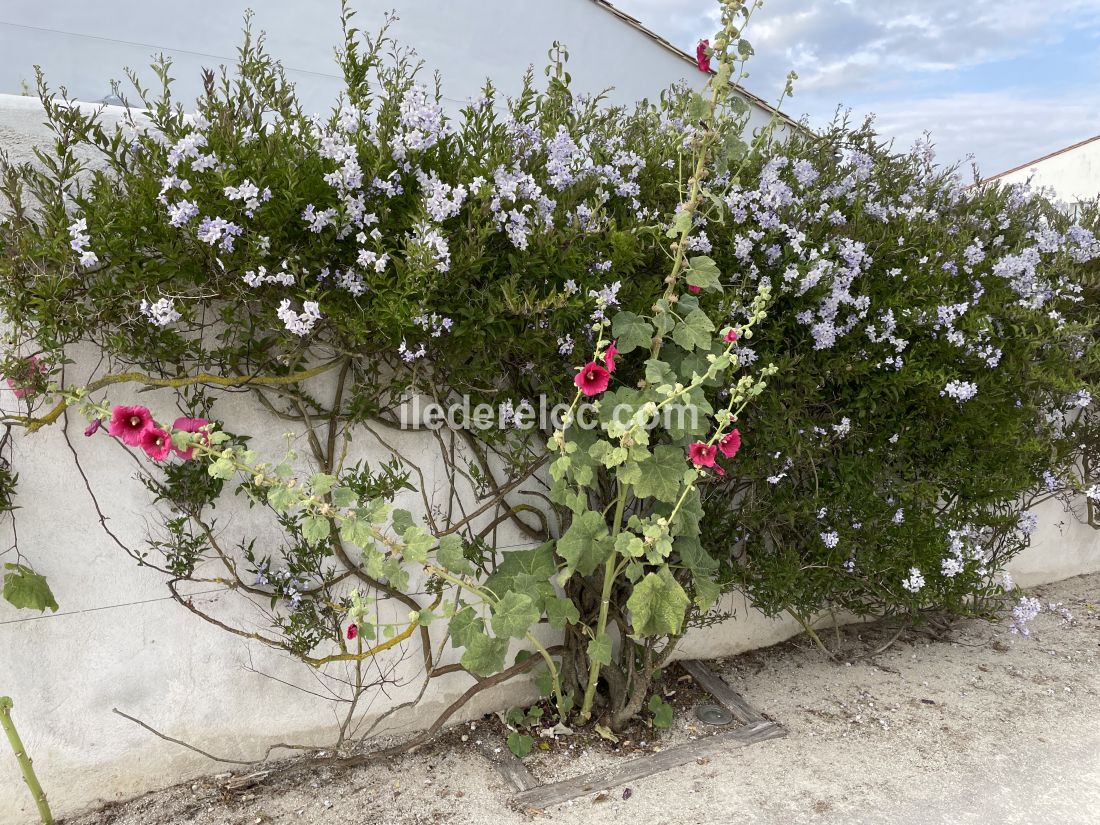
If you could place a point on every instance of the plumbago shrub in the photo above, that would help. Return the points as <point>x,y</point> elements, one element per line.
<point>889,346</point>
<point>936,360</point>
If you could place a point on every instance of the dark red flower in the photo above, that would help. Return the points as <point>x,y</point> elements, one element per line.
<point>592,379</point>
<point>701,58</point>
<point>731,336</point>
<point>703,455</point>
<point>189,425</point>
<point>157,443</point>
<point>130,424</point>
<point>730,443</point>
<point>609,355</point>
<point>353,632</point>
<point>694,290</point>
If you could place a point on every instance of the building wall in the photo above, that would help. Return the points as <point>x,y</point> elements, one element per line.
<point>118,642</point>
<point>466,40</point>
<point>1072,175</point>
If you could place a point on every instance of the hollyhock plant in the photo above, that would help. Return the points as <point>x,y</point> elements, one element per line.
<point>157,443</point>
<point>592,379</point>
<point>702,59</point>
<point>130,423</point>
<point>189,425</point>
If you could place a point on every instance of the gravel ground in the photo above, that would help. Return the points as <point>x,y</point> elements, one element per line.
<point>979,726</point>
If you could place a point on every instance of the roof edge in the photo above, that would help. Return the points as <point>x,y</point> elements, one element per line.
<point>1048,156</point>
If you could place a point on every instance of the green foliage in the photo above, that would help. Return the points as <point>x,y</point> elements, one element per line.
<point>23,588</point>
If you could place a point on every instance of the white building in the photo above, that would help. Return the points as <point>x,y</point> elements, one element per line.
<point>1071,174</point>
<point>84,46</point>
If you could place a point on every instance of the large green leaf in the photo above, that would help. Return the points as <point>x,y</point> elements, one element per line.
<point>484,655</point>
<point>464,626</point>
<point>449,555</point>
<point>694,331</point>
<point>631,331</point>
<point>25,589</point>
<point>514,615</point>
<point>662,474</point>
<point>658,605</point>
<point>560,612</point>
<point>586,543</point>
<point>519,569</point>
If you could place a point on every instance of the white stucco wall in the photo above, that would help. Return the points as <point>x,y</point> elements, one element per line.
<point>85,45</point>
<point>118,642</point>
<point>1073,175</point>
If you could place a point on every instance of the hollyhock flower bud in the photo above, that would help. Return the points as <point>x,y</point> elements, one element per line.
<point>694,290</point>
<point>609,355</point>
<point>353,632</point>
<point>93,428</point>
<point>189,425</point>
<point>701,58</point>
<point>731,336</point>
<point>130,424</point>
<point>592,379</point>
<point>730,443</point>
<point>157,443</point>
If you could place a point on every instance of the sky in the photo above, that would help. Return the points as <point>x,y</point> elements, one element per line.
<point>1001,82</point>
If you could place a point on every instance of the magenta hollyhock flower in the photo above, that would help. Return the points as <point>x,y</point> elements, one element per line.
<point>157,443</point>
<point>592,379</point>
<point>27,382</point>
<point>701,58</point>
<point>694,290</point>
<point>353,632</point>
<point>609,356</point>
<point>731,336</point>
<point>702,455</point>
<point>730,443</point>
<point>93,428</point>
<point>130,424</point>
<point>189,425</point>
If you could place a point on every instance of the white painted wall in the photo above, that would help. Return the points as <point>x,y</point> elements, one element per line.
<point>85,45</point>
<point>1072,175</point>
<point>117,642</point>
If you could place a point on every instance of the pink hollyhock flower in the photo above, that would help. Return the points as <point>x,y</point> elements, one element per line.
<point>27,382</point>
<point>609,356</point>
<point>703,455</point>
<point>701,59</point>
<point>157,443</point>
<point>353,632</point>
<point>731,336</point>
<point>93,428</point>
<point>130,424</point>
<point>694,290</point>
<point>189,425</point>
<point>592,379</point>
<point>730,443</point>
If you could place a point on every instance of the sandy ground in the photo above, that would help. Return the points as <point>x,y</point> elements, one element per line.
<point>981,726</point>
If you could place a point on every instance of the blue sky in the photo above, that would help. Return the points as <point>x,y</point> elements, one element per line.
<point>1004,81</point>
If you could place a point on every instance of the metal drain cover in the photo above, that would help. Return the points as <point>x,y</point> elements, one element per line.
<point>713,715</point>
